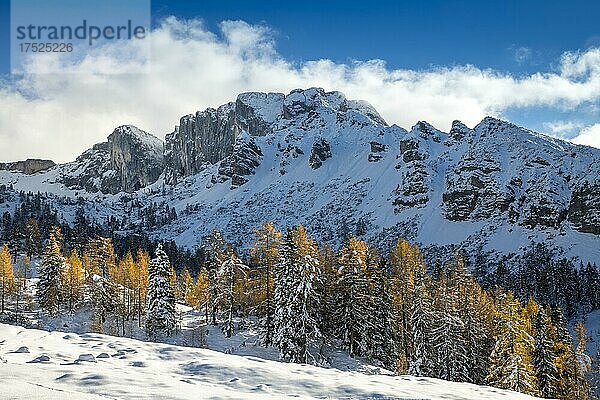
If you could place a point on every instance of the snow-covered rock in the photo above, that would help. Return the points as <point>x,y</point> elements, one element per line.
<point>334,165</point>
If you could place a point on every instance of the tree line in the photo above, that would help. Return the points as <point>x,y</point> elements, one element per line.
<point>310,298</point>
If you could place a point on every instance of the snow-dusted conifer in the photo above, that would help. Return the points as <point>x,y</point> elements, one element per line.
<point>296,301</point>
<point>230,271</point>
<point>355,306</point>
<point>422,324</point>
<point>50,272</point>
<point>161,318</point>
<point>544,355</point>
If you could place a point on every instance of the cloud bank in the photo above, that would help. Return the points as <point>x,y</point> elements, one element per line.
<point>191,68</point>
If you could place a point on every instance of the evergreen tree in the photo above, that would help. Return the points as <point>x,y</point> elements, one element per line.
<point>422,324</point>
<point>544,355</point>
<point>381,339</point>
<point>103,301</point>
<point>33,238</point>
<point>355,304</point>
<point>161,318</point>
<point>297,317</point>
<point>51,269</point>
<point>230,271</point>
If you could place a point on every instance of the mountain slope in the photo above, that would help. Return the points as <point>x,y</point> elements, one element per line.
<point>94,366</point>
<point>335,165</point>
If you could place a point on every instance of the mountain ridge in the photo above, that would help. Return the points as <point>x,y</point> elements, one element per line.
<point>333,164</point>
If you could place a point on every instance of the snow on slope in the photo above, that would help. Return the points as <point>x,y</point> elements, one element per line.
<point>496,187</point>
<point>94,366</point>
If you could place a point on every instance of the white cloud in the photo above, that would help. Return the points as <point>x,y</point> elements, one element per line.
<point>589,135</point>
<point>522,54</point>
<point>562,129</point>
<point>58,116</point>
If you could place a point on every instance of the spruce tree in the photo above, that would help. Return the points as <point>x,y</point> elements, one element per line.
<point>228,274</point>
<point>355,306</point>
<point>297,318</point>
<point>161,318</point>
<point>50,272</point>
<point>422,324</point>
<point>381,339</point>
<point>544,355</point>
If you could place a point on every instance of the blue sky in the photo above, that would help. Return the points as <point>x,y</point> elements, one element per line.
<point>414,34</point>
<point>539,59</point>
<point>509,35</point>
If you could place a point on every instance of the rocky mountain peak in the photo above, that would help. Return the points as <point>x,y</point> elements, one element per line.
<point>129,160</point>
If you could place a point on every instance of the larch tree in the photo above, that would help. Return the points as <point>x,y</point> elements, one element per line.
<point>266,254</point>
<point>7,279</point>
<point>511,361</point>
<point>139,279</point>
<point>73,279</point>
<point>201,292</point>
<point>186,283</point>
<point>405,261</point>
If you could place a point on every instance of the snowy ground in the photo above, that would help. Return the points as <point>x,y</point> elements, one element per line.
<point>93,366</point>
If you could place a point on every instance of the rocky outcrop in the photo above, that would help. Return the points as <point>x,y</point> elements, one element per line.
<point>209,136</point>
<point>319,152</point>
<point>29,166</point>
<point>129,160</point>
<point>136,156</point>
<point>413,187</point>
<point>244,159</point>
<point>584,208</point>
<point>376,151</point>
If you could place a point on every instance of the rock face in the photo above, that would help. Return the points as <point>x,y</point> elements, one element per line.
<point>136,156</point>
<point>210,136</point>
<point>129,160</point>
<point>317,158</point>
<point>29,166</point>
<point>319,152</point>
<point>244,159</point>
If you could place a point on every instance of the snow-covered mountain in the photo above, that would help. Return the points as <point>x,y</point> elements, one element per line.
<point>335,165</point>
<point>36,364</point>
